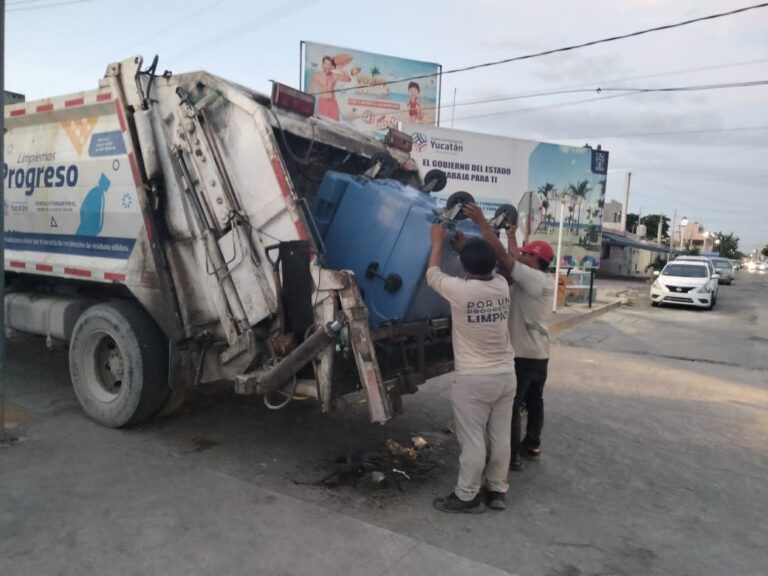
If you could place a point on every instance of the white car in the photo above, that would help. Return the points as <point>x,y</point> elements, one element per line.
<point>685,282</point>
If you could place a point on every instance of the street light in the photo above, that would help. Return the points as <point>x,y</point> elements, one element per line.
<point>683,224</point>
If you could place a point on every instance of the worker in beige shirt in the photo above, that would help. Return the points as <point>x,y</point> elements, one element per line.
<point>482,394</point>
<point>531,293</point>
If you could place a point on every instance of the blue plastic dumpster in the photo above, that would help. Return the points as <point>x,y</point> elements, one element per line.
<point>379,229</point>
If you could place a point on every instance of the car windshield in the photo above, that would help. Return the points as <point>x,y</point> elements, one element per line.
<point>685,271</point>
<point>722,264</point>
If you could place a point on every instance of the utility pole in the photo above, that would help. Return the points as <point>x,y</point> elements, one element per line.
<point>3,435</point>
<point>683,230</point>
<point>559,251</point>
<point>625,208</point>
<point>660,227</point>
<point>453,109</point>
<point>672,231</point>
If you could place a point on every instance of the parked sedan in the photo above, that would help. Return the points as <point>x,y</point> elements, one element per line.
<point>724,267</point>
<point>685,282</point>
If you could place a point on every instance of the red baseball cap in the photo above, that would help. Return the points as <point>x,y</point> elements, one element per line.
<point>540,249</point>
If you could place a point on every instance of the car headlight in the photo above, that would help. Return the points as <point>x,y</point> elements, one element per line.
<point>705,289</point>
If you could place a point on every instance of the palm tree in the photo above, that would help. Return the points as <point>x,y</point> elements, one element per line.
<point>544,191</point>
<point>579,191</point>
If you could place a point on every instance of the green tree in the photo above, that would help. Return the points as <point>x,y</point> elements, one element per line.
<point>632,221</point>
<point>727,245</point>
<point>764,251</point>
<point>652,226</point>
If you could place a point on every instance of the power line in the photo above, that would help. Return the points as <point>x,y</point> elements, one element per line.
<point>25,2</point>
<point>176,24</point>
<point>624,79</point>
<point>43,6</point>
<point>627,91</point>
<point>697,195</point>
<point>546,106</point>
<point>564,48</point>
<point>250,26</point>
<point>671,133</point>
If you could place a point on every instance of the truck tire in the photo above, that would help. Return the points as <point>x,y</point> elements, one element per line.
<point>118,361</point>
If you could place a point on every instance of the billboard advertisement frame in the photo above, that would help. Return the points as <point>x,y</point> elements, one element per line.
<point>364,117</point>
<point>535,177</point>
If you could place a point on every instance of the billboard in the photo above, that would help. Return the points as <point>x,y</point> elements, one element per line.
<point>535,177</point>
<point>361,88</point>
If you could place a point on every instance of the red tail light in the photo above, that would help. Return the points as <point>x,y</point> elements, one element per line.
<point>287,98</point>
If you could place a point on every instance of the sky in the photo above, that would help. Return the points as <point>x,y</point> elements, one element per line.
<point>702,154</point>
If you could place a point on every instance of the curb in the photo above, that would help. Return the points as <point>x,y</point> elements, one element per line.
<point>560,327</point>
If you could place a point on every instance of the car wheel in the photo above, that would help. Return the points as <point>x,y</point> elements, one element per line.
<point>118,361</point>
<point>655,304</point>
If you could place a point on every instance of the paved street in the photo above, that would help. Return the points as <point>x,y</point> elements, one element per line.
<point>734,333</point>
<point>655,462</point>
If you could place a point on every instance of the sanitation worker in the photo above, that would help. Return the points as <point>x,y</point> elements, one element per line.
<point>482,393</point>
<point>531,293</point>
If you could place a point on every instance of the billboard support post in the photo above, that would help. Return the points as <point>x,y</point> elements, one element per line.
<point>559,251</point>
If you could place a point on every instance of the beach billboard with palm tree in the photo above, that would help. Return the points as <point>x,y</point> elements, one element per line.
<point>537,178</point>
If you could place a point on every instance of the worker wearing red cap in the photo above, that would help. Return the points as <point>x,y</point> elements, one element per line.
<point>531,293</point>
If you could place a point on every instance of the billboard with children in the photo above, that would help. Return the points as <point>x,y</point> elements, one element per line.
<point>364,89</point>
<point>537,178</point>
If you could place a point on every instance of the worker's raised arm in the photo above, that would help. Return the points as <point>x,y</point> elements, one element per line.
<point>475,213</point>
<point>437,235</point>
<point>512,239</point>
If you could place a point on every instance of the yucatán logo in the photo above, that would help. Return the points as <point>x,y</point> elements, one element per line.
<point>419,141</point>
<point>34,177</point>
<point>599,162</point>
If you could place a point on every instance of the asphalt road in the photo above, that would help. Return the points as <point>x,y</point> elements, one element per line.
<point>734,333</point>
<point>655,462</point>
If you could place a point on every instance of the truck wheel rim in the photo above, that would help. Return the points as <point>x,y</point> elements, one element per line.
<point>104,366</point>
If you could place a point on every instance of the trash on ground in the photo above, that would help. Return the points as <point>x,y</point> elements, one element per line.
<point>397,449</point>
<point>419,442</point>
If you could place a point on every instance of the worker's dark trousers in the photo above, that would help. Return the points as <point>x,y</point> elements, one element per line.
<point>531,375</point>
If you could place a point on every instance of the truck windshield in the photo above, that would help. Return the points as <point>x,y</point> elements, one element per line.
<point>684,271</point>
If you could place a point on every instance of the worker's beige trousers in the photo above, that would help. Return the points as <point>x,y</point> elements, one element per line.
<point>482,409</point>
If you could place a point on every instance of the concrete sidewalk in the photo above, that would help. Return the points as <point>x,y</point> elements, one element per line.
<point>611,293</point>
<point>120,506</point>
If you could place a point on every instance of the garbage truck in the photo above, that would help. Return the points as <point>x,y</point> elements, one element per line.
<point>178,230</point>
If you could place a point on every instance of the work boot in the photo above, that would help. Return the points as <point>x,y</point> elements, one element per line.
<point>530,449</point>
<point>452,504</point>
<point>496,500</point>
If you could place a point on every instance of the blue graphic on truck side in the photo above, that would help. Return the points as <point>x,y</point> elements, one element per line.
<point>92,209</point>
<point>106,144</point>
